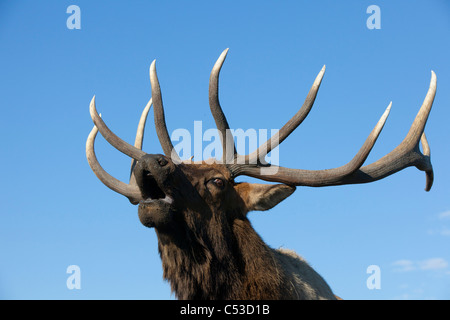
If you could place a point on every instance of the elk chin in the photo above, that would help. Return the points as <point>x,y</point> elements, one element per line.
<point>156,213</point>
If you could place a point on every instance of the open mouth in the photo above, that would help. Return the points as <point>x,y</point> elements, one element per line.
<point>151,191</point>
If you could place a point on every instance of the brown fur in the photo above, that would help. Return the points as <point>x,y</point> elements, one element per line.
<point>208,247</point>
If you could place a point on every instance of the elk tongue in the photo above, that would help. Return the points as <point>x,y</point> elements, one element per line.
<point>167,199</point>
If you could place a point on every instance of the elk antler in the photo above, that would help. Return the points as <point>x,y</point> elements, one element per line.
<point>404,155</point>
<point>138,142</point>
<point>160,122</point>
<point>130,190</point>
<point>216,110</point>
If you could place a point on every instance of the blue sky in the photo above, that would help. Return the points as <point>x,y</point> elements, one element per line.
<point>55,213</point>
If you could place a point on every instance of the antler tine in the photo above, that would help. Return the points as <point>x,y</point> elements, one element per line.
<point>291,125</point>
<point>406,154</point>
<point>114,140</point>
<point>160,121</point>
<point>132,192</point>
<point>141,126</point>
<point>139,138</point>
<point>366,148</point>
<point>427,154</point>
<point>217,112</point>
<point>418,126</point>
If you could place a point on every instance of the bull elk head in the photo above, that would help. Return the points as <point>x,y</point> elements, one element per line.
<point>208,247</point>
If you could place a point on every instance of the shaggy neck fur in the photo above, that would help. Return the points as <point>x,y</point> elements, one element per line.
<point>226,261</point>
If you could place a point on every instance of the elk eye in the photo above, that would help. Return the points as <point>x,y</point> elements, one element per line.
<point>218,182</point>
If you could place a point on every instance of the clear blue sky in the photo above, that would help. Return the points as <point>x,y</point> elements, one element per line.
<point>54,212</point>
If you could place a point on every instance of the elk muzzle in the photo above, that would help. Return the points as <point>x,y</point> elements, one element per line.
<point>153,174</point>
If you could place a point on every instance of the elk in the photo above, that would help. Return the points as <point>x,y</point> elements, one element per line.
<point>207,245</point>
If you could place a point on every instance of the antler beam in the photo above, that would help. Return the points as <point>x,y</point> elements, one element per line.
<point>404,155</point>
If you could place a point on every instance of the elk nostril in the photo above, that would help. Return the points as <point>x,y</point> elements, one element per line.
<point>162,162</point>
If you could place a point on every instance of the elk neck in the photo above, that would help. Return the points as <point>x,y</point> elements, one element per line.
<point>227,261</point>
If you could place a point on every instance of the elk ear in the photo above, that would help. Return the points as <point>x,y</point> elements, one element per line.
<point>261,197</point>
